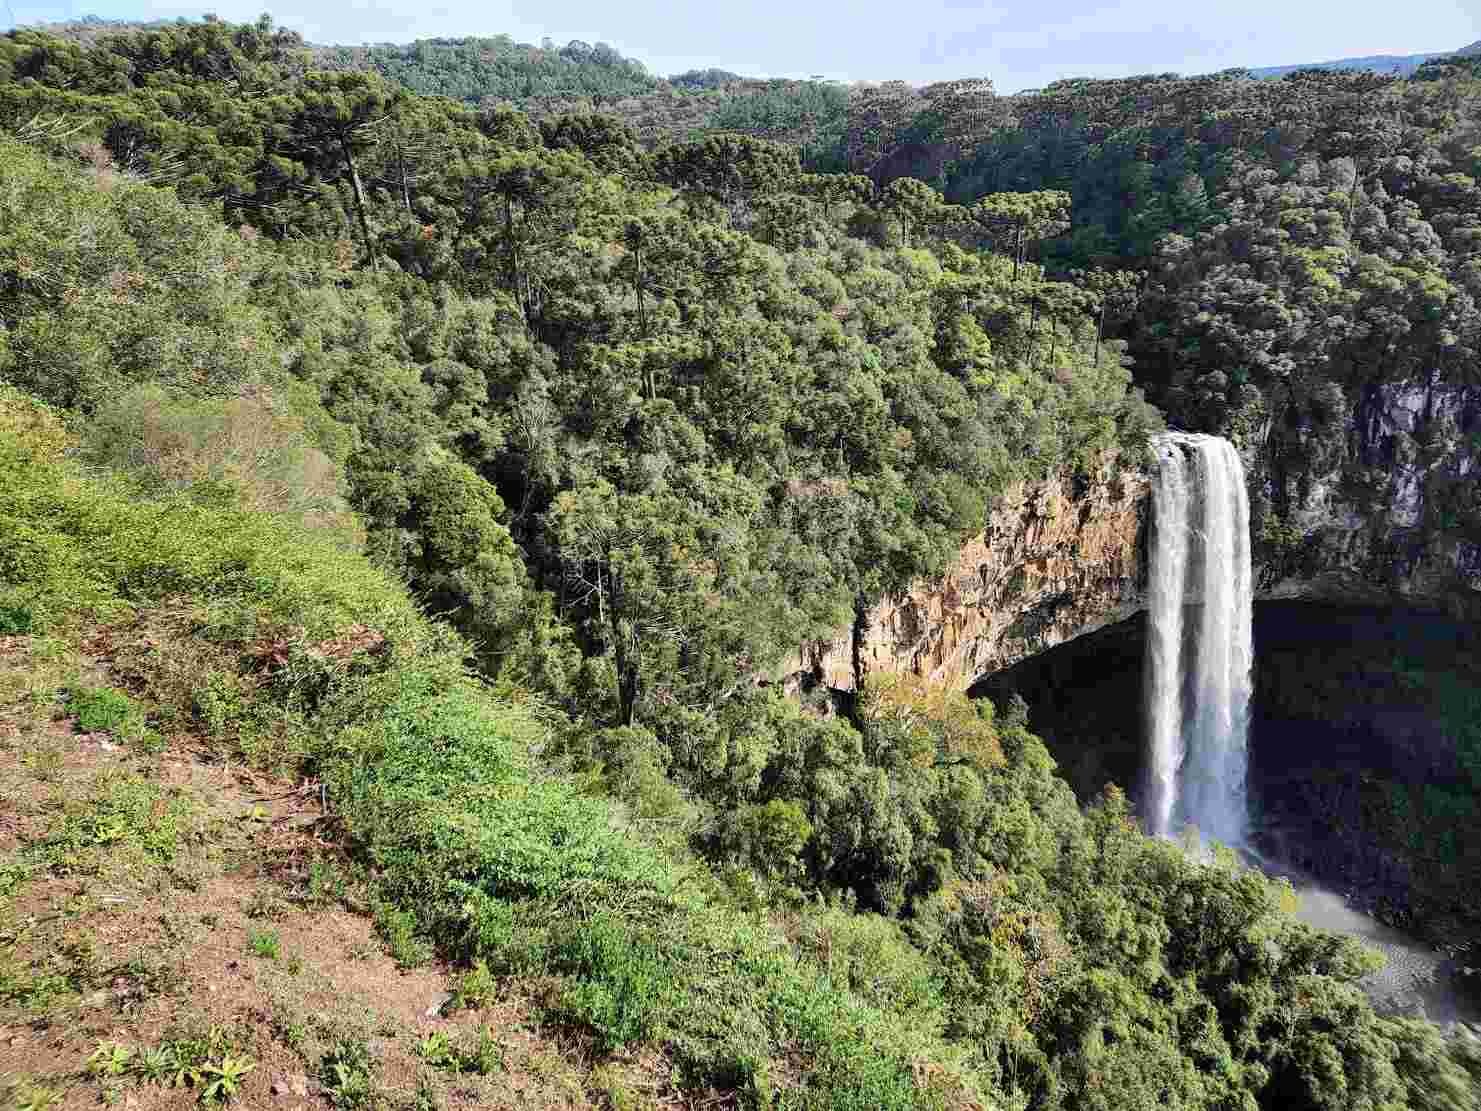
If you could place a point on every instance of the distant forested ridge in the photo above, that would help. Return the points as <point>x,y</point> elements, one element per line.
<point>1399,65</point>
<point>479,69</point>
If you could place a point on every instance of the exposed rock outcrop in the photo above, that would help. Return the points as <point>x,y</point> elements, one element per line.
<point>1377,501</point>
<point>1057,559</point>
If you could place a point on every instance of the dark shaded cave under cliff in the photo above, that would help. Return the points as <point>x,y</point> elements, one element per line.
<point>1366,724</point>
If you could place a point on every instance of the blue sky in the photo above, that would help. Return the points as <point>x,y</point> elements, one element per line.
<point>1018,43</point>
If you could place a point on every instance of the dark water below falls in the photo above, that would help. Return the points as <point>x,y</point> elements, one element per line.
<point>1417,980</point>
<point>1343,696</point>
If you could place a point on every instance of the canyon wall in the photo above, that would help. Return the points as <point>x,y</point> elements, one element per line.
<point>1057,559</point>
<point>1376,501</point>
<point>1374,498</point>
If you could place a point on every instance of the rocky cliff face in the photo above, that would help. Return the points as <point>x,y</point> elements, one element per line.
<point>1378,502</point>
<point>1374,501</point>
<point>1057,559</point>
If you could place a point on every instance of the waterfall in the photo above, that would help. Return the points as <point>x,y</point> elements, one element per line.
<point>1167,577</point>
<point>1199,646</point>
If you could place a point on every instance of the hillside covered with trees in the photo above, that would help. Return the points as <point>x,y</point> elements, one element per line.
<point>480,472</point>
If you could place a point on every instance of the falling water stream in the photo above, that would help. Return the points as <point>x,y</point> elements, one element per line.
<point>1200,647</point>
<point>1200,656</point>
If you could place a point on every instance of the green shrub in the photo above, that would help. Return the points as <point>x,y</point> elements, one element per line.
<point>220,704</point>
<point>348,1074</point>
<point>265,944</point>
<point>633,766</point>
<point>35,991</point>
<point>487,930</point>
<point>621,984</point>
<point>398,928</point>
<point>476,988</point>
<point>103,709</point>
<point>110,1059</point>
<point>437,1050</point>
<point>482,1057</point>
<point>16,619</point>
<point>872,958</point>
<point>223,1076</point>
<point>27,1095</point>
<point>138,297</point>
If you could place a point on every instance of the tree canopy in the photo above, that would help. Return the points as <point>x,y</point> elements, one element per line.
<point>638,422</point>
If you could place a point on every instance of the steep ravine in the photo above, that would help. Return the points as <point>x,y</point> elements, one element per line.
<point>1366,748</point>
<point>1376,501</point>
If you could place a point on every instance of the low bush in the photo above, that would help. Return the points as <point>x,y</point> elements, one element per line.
<point>476,988</point>
<point>348,1073</point>
<point>102,709</point>
<point>398,929</point>
<point>265,944</point>
<point>480,1055</point>
<point>16,619</point>
<point>621,983</point>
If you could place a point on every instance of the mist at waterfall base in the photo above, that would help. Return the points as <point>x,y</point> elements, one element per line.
<point>1198,676</point>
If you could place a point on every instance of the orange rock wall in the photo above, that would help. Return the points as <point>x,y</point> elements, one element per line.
<point>1054,562</point>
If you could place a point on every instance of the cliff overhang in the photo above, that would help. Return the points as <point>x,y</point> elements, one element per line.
<point>1058,558</point>
<point>1065,556</point>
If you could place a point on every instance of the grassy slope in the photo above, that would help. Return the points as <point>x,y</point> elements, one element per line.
<point>157,654</point>
<point>230,915</point>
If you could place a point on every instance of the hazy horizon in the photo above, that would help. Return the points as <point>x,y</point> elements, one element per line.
<point>1018,44</point>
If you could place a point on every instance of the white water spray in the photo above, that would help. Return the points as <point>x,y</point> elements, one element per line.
<point>1199,644</point>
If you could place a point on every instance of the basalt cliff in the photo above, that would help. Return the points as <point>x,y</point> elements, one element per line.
<point>1379,503</point>
<point>1057,559</point>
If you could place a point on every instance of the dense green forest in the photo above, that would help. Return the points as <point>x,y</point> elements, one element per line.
<point>503,461</point>
<point>476,70</point>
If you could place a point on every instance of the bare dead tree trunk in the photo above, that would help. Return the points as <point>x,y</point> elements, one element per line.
<point>405,184</point>
<point>512,243</point>
<point>359,193</point>
<point>624,656</point>
<point>638,289</point>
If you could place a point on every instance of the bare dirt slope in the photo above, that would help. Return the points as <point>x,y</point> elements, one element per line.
<point>176,930</point>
